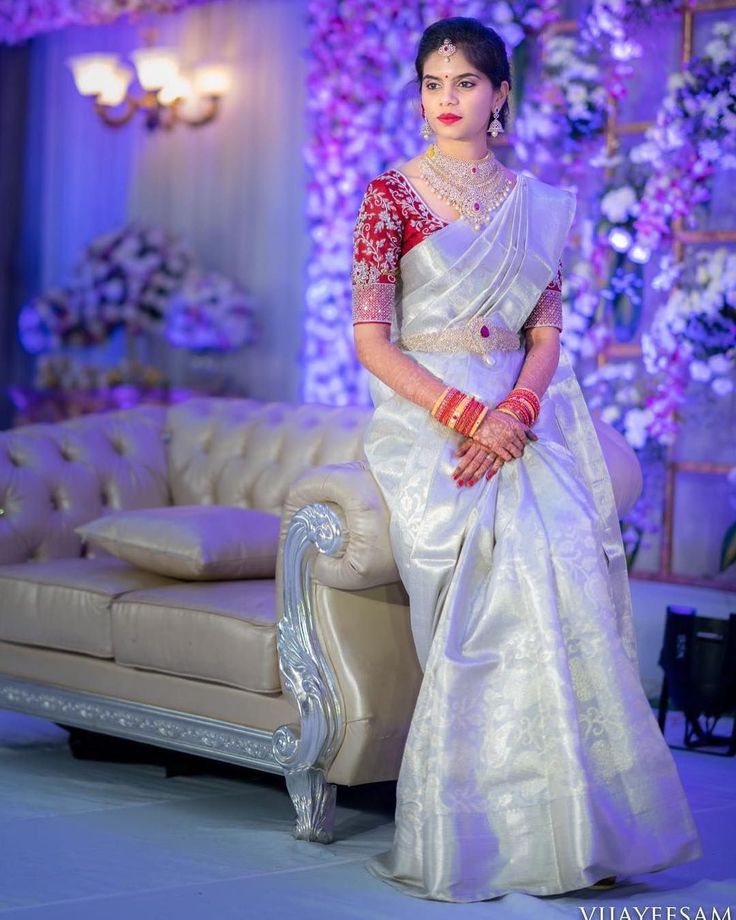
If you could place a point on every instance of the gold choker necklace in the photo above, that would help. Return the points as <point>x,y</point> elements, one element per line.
<point>475,188</point>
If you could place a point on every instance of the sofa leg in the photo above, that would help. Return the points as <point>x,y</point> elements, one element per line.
<point>306,751</point>
<point>314,801</point>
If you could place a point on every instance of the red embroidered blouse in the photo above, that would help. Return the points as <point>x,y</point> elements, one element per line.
<point>393,219</point>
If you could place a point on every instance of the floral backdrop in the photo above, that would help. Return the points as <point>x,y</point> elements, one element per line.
<point>21,19</point>
<point>363,117</point>
<point>622,284</point>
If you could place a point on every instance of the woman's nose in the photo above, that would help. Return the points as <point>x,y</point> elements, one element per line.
<point>449,95</point>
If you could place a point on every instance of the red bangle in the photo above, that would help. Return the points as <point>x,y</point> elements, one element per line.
<point>444,410</point>
<point>466,422</point>
<point>530,397</point>
<point>452,401</point>
<point>517,408</point>
<point>523,407</point>
<point>459,411</point>
<point>523,403</point>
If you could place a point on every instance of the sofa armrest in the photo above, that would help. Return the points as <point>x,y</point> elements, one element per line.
<point>363,558</point>
<point>346,653</point>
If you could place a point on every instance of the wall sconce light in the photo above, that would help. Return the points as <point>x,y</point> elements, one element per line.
<point>169,96</point>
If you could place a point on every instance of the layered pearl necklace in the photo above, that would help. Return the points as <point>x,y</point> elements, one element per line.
<point>475,188</point>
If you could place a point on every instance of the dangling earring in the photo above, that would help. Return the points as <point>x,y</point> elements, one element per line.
<point>495,128</point>
<point>425,130</point>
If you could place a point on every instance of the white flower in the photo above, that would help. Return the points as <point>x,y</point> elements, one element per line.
<point>576,322</point>
<point>620,203</point>
<point>636,422</point>
<point>501,13</point>
<point>700,371</point>
<point>610,414</point>
<point>719,364</point>
<point>646,152</point>
<point>723,29</point>
<point>625,50</point>
<point>709,150</point>
<point>512,33</point>
<point>586,304</point>
<point>718,51</point>
<point>627,395</point>
<point>603,160</point>
<point>576,94</point>
<point>722,386</point>
<point>571,341</point>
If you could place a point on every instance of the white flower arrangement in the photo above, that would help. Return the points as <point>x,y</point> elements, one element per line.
<point>126,277</point>
<point>581,335</point>
<point>568,109</point>
<point>123,279</point>
<point>694,130</point>
<point>693,338</point>
<point>607,24</point>
<point>617,392</point>
<point>619,204</point>
<point>139,278</point>
<point>209,312</point>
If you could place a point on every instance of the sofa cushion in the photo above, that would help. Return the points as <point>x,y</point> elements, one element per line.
<point>218,631</point>
<point>65,603</point>
<point>191,542</point>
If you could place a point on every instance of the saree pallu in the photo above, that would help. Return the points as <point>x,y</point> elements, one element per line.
<point>533,762</point>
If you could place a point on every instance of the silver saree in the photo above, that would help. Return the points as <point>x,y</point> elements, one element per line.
<point>533,761</point>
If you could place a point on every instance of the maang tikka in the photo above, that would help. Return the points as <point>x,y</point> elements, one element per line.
<point>446,49</point>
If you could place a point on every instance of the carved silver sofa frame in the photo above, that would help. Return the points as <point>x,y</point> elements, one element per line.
<point>302,753</point>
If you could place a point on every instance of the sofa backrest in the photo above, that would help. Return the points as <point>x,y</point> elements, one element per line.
<point>205,451</point>
<point>247,453</point>
<point>55,477</point>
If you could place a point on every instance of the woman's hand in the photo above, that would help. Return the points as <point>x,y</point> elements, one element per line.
<point>476,462</point>
<point>503,435</point>
<point>479,458</point>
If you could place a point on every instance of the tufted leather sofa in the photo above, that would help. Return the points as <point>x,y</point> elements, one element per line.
<point>312,674</point>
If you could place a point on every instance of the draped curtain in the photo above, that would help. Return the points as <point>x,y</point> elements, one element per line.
<point>13,90</point>
<point>234,189</point>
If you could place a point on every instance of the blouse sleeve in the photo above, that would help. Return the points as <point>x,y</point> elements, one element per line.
<point>548,309</point>
<point>376,254</point>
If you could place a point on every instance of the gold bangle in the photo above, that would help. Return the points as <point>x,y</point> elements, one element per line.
<point>458,411</point>
<point>477,423</point>
<point>508,412</point>
<point>438,403</point>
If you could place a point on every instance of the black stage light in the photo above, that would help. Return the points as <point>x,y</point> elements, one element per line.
<point>698,658</point>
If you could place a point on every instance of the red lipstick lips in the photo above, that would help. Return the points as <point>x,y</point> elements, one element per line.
<point>449,119</point>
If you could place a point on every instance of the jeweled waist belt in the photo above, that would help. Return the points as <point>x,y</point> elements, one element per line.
<point>478,336</point>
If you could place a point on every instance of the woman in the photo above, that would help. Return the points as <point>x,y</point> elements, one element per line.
<point>533,761</point>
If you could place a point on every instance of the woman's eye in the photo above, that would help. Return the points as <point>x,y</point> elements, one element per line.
<point>432,84</point>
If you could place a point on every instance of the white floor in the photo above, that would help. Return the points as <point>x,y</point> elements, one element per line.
<point>89,840</point>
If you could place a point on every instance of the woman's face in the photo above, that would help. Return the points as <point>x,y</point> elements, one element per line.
<point>457,88</point>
